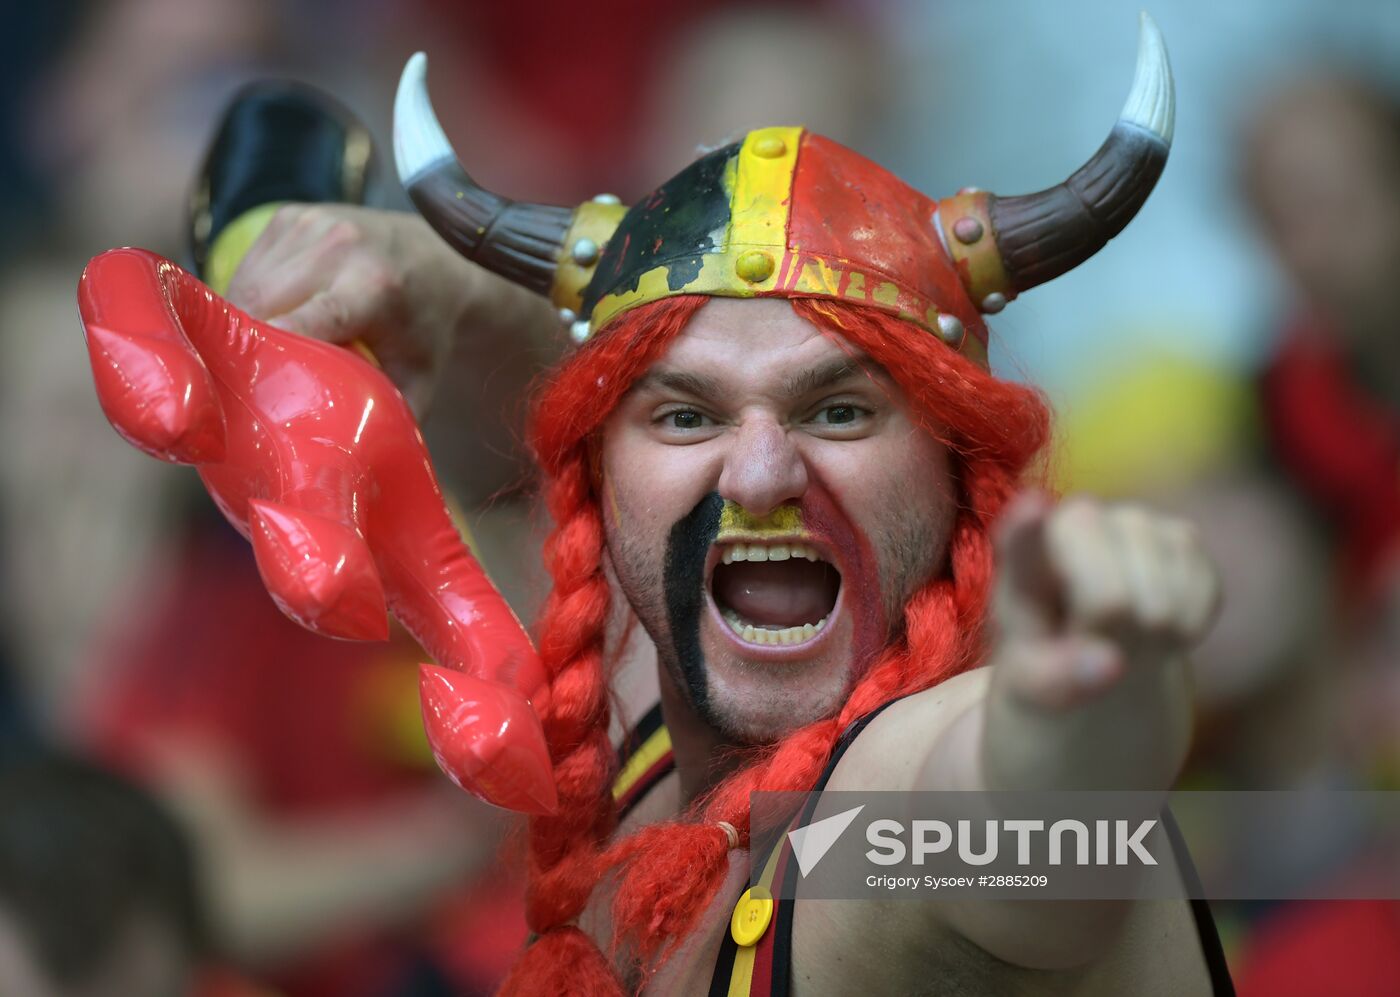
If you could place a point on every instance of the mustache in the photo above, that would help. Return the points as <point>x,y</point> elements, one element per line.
<point>683,583</point>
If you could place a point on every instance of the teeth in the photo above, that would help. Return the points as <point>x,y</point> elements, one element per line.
<point>767,636</point>
<point>767,552</point>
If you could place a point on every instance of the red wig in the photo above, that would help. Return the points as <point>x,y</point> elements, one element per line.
<point>669,873</point>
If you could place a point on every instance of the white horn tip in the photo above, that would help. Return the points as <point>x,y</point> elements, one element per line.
<point>1151,104</point>
<point>419,141</point>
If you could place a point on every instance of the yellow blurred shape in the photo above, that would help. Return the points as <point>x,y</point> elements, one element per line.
<point>1165,421</point>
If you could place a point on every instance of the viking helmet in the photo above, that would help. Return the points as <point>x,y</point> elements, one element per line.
<point>788,213</point>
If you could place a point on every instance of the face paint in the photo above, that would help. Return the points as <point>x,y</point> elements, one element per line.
<point>864,592</point>
<point>687,547</point>
<point>736,525</point>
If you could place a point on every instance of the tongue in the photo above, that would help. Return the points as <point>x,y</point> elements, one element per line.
<point>777,593</point>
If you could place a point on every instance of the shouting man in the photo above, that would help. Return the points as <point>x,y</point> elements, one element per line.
<point>779,451</point>
<point>775,463</point>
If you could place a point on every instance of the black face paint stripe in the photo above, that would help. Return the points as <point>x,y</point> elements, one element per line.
<point>684,580</point>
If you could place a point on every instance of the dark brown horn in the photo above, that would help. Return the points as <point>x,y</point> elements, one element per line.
<point>1041,236</point>
<point>519,241</point>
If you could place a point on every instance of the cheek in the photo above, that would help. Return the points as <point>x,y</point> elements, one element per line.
<point>899,493</point>
<point>897,473</point>
<point>645,491</point>
<point>648,486</point>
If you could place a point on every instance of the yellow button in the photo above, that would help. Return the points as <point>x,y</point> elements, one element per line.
<point>769,147</point>
<point>752,915</point>
<point>755,267</point>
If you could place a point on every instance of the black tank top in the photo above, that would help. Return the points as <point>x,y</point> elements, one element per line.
<point>764,969</point>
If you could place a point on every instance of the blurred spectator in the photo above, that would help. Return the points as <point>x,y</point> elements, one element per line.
<point>300,765</point>
<point>1322,171</point>
<point>1321,167</point>
<point>98,894</point>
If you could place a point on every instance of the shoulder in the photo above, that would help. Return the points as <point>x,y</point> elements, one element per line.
<point>890,752</point>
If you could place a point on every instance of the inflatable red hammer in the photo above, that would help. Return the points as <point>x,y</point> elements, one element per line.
<point>314,456</point>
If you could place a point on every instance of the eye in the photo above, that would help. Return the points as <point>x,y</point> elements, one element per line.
<point>839,415</point>
<point>684,419</point>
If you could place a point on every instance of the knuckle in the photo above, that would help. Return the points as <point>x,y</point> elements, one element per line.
<point>286,216</point>
<point>283,220</point>
<point>381,280</point>
<point>342,234</point>
<point>1135,520</point>
<point>307,215</point>
<point>1100,603</point>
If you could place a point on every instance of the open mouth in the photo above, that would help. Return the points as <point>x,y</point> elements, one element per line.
<point>774,592</point>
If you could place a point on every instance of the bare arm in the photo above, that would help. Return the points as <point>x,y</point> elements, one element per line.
<point>1088,689</point>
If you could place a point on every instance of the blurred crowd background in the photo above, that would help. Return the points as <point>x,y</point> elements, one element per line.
<point>171,810</point>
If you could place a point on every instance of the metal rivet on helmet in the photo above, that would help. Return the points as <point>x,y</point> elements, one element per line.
<point>755,266</point>
<point>770,148</point>
<point>967,230</point>
<point>584,252</point>
<point>950,329</point>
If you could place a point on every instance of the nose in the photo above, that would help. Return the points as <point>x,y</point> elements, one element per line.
<point>763,467</point>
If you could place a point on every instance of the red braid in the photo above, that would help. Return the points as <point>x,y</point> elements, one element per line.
<point>563,857</point>
<point>669,873</point>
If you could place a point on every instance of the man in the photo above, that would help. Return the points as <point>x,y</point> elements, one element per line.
<point>774,466</point>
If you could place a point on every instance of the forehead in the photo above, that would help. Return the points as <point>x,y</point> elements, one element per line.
<point>757,336</point>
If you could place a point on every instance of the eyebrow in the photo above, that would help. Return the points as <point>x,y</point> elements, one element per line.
<point>797,385</point>
<point>824,375</point>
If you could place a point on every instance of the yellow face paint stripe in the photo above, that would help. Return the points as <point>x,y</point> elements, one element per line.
<point>736,524</point>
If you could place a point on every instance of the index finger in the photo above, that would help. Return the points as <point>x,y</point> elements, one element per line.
<point>1028,592</point>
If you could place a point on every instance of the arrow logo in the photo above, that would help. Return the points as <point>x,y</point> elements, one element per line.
<point>812,842</point>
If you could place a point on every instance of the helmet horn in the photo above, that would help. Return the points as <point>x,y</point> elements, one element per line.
<point>1041,236</point>
<point>519,241</point>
